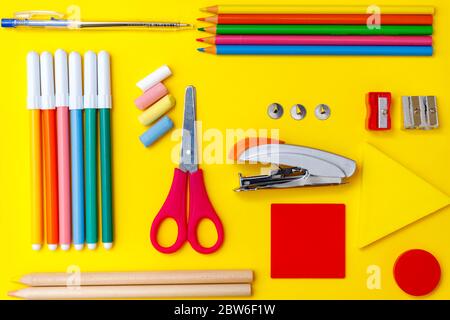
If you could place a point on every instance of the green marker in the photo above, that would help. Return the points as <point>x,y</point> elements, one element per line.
<point>90,132</point>
<point>104,106</point>
<point>319,29</point>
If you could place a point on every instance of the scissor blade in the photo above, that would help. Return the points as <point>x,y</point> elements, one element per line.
<point>189,161</point>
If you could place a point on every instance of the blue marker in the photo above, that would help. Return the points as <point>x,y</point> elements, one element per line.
<point>320,50</point>
<point>76,137</point>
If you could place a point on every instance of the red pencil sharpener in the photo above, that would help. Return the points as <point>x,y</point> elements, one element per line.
<point>379,111</point>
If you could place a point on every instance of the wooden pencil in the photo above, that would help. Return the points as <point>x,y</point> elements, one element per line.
<point>350,19</point>
<point>317,29</point>
<point>133,292</point>
<point>303,9</point>
<point>137,278</point>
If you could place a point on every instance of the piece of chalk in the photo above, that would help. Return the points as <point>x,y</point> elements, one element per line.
<point>157,110</point>
<point>155,77</point>
<point>156,131</point>
<point>150,96</point>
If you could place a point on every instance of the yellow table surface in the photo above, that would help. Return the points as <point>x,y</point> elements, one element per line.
<point>233,92</point>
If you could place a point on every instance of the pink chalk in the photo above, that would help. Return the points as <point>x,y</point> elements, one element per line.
<point>150,96</point>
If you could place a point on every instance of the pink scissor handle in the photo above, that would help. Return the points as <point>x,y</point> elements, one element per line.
<point>200,208</point>
<point>174,207</point>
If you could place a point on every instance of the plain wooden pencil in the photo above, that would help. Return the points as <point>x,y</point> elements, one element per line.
<point>137,278</point>
<point>133,292</point>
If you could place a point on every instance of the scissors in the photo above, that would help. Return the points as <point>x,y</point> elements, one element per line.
<point>188,175</point>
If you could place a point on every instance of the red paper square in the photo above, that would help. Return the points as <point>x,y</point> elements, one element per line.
<point>308,241</point>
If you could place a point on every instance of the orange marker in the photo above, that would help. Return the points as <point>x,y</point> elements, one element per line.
<point>33,104</point>
<point>50,149</point>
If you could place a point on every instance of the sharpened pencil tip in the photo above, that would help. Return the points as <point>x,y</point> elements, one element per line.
<point>201,49</point>
<point>201,29</point>
<point>200,40</point>
<point>205,9</point>
<point>16,279</point>
<point>12,294</point>
<point>200,19</point>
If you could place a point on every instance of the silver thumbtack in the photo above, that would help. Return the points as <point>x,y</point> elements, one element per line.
<point>323,112</point>
<point>275,111</point>
<point>298,112</point>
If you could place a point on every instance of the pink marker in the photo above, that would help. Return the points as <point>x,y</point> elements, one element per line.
<point>320,40</point>
<point>63,138</point>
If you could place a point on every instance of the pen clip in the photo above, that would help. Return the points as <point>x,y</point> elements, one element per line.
<point>43,14</point>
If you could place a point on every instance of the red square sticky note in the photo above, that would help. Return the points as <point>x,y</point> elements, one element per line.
<point>308,241</point>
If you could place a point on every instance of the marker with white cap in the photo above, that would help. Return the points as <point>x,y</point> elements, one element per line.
<point>34,105</point>
<point>49,149</point>
<point>90,110</point>
<point>77,154</point>
<point>62,125</point>
<point>104,105</point>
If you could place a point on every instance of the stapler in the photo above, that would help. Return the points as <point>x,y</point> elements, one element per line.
<point>297,167</point>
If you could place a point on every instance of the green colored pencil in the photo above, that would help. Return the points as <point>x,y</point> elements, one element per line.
<point>319,29</point>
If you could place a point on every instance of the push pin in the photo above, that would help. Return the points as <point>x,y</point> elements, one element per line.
<point>379,111</point>
<point>323,112</point>
<point>275,111</point>
<point>298,112</point>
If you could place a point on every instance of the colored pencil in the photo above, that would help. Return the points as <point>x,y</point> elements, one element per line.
<point>33,104</point>
<point>320,50</point>
<point>77,153</point>
<point>150,291</point>
<point>318,29</point>
<point>319,40</point>
<point>104,105</point>
<point>57,279</point>
<point>49,149</point>
<point>63,134</point>
<point>349,19</point>
<point>301,9</point>
<point>90,131</point>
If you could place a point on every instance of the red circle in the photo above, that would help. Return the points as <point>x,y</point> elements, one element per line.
<point>417,272</point>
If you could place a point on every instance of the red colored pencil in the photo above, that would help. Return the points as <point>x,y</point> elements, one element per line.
<point>348,19</point>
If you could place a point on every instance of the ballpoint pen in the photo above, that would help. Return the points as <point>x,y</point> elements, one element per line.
<point>63,140</point>
<point>104,106</point>
<point>90,131</point>
<point>53,19</point>
<point>77,153</point>
<point>34,105</point>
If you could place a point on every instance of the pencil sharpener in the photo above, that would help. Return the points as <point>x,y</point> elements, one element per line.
<point>379,111</point>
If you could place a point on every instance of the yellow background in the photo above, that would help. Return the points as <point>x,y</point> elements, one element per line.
<point>233,92</point>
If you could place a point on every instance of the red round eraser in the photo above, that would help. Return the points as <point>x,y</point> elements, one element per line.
<point>417,272</point>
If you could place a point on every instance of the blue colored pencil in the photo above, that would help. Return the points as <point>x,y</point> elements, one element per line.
<point>320,50</point>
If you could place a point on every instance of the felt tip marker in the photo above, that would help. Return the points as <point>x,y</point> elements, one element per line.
<point>90,131</point>
<point>49,149</point>
<point>77,153</point>
<point>63,138</point>
<point>104,106</point>
<point>34,105</point>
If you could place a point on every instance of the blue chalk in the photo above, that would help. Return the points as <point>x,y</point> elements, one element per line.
<point>156,131</point>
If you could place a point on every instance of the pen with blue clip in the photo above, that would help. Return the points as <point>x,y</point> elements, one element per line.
<point>77,153</point>
<point>53,19</point>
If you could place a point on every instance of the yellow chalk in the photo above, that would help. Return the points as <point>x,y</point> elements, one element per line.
<point>157,110</point>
